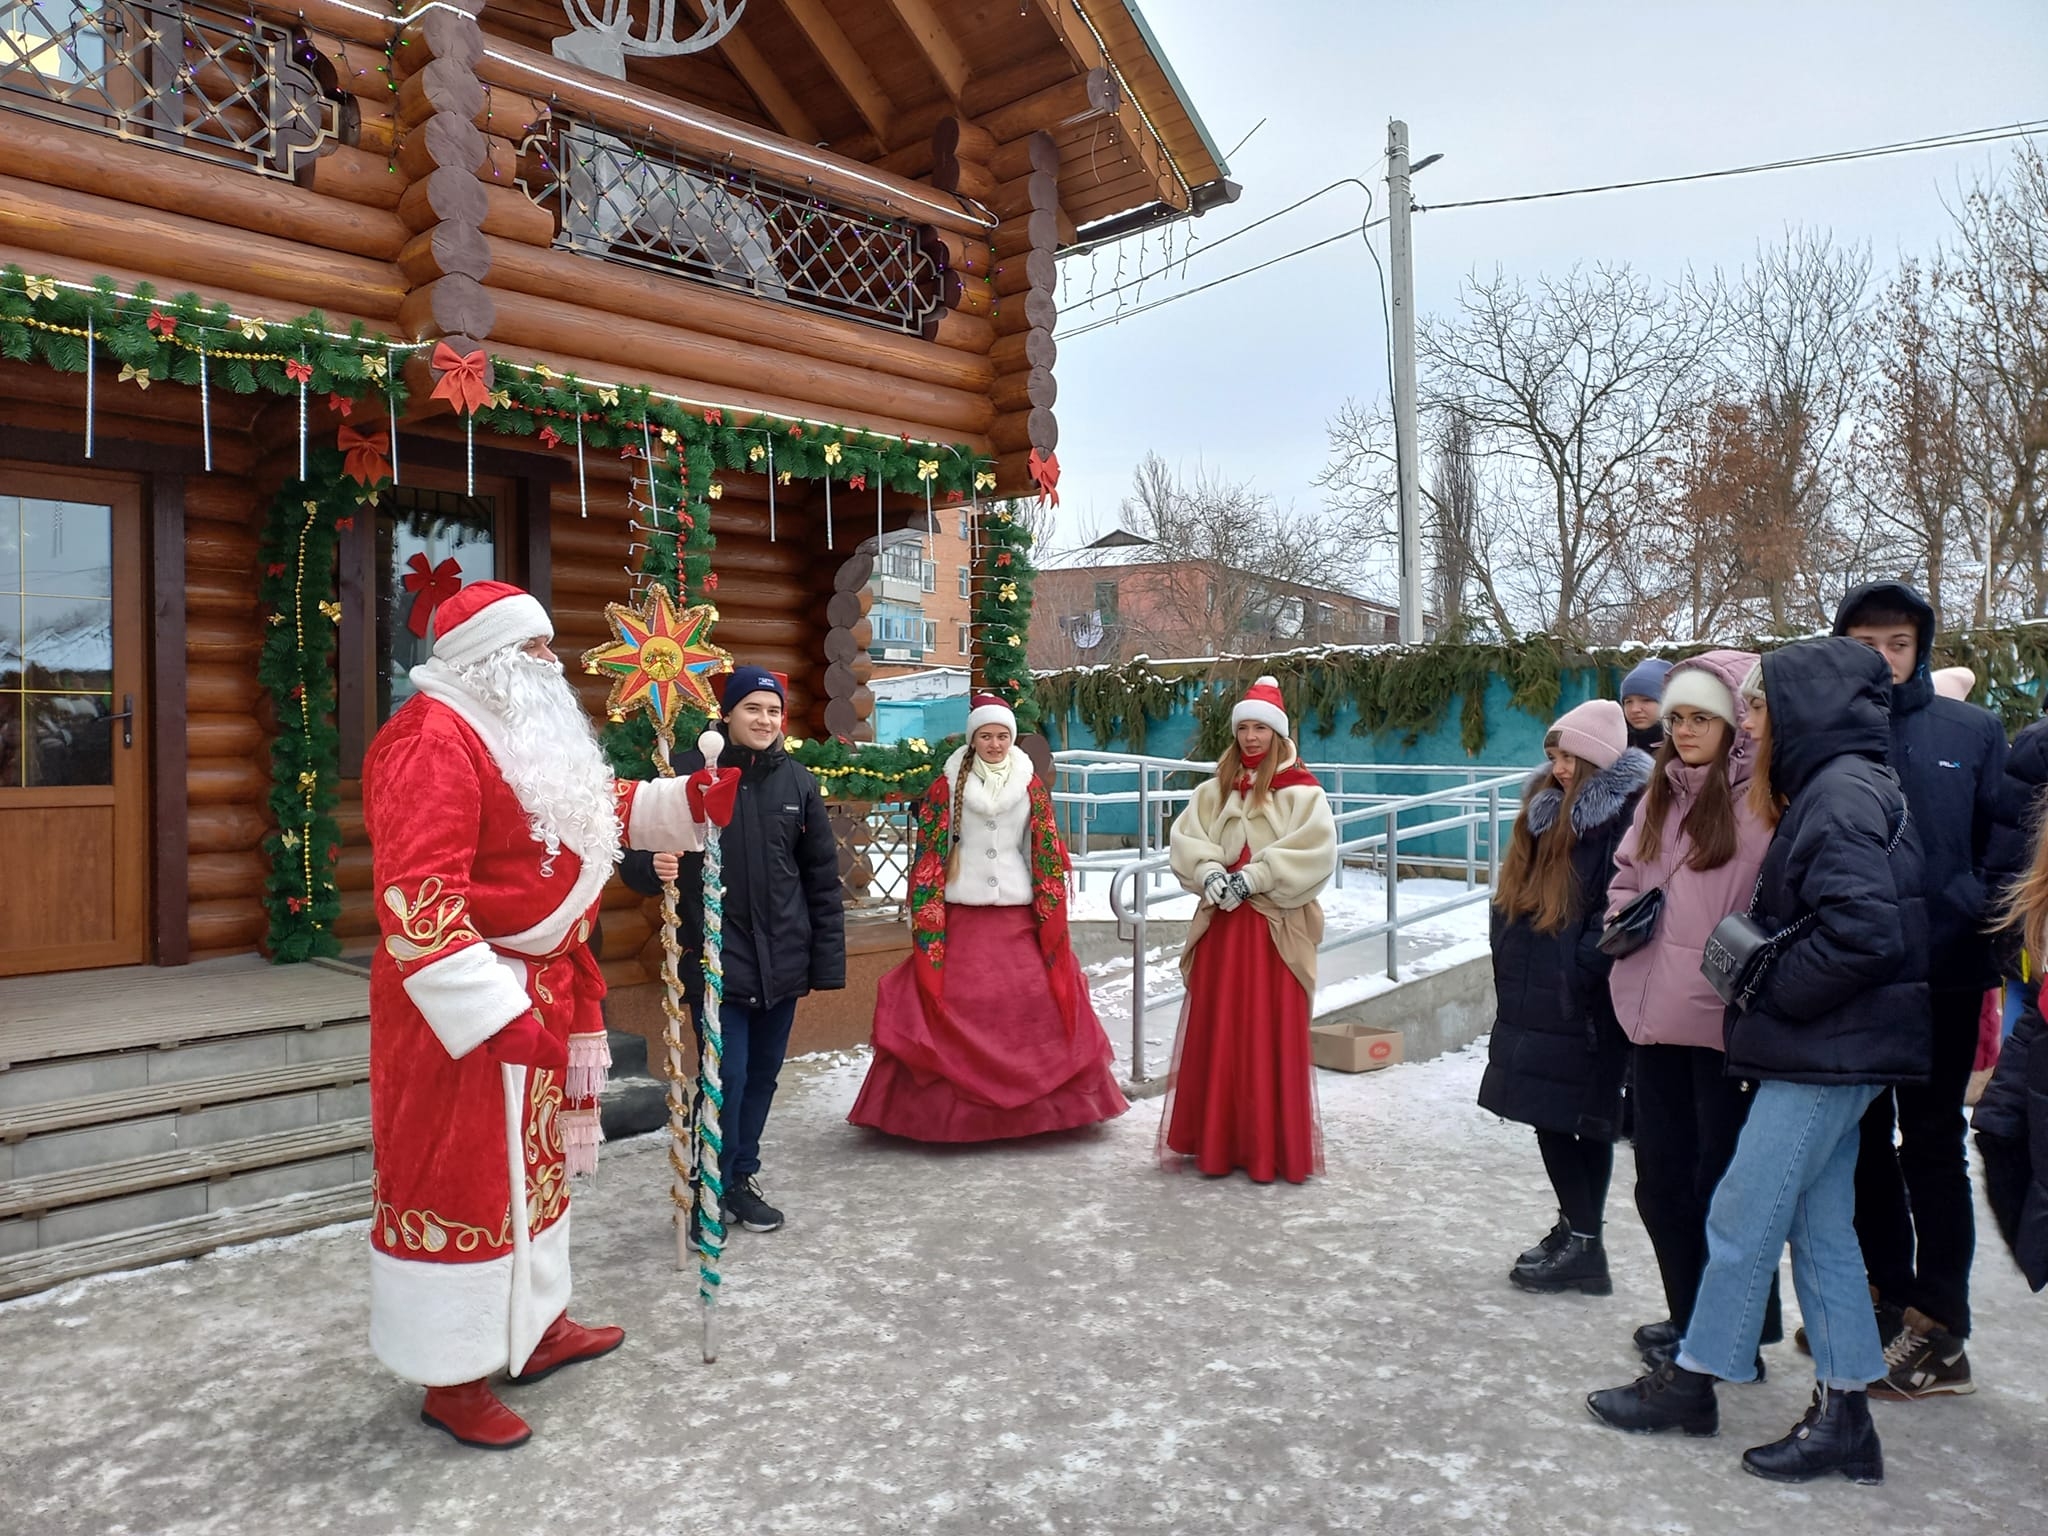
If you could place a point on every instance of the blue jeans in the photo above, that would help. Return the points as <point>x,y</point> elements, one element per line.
<point>755,1041</point>
<point>1793,1176</point>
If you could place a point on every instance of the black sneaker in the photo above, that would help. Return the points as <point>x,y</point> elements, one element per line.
<point>1925,1360</point>
<point>745,1206</point>
<point>1553,1240</point>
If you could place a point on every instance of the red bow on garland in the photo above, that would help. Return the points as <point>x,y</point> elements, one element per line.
<point>1044,469</point>
<point>463,383</point>
<point>367,454</point>
<point>434,586</point>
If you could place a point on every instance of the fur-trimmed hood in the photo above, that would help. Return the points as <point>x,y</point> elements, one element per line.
<point>1605,798</point>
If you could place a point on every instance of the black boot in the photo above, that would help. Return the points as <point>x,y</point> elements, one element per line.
<point>1835,1436</point>
<point>1658,1337</point>
<point>1580,1265</point>
<point>1553,1240</point>
<point>1669,1398</point>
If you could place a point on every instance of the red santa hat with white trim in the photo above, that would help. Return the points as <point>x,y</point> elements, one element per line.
<point>484,617</point>
<point>989,709</point>
<point>1262,702</point>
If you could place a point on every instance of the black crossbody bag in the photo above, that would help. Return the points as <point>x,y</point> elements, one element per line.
<point>1739,952</point>
<point>1634,925</point>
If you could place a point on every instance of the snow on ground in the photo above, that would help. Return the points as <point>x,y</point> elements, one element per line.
<point>1053,1336</point>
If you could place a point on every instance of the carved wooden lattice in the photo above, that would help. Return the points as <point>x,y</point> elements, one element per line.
<point>216,84</point>
<point>639,200</point>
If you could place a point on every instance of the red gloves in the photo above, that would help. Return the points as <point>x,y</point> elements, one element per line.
<point>712,793</point>
<point>525,1042</point>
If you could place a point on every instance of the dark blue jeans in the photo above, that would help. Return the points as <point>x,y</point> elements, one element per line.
<point>755,1040</point>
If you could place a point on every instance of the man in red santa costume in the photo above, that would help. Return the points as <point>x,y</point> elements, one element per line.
<point>494,823</point>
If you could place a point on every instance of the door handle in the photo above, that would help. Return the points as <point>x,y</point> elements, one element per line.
<point>127,719</point>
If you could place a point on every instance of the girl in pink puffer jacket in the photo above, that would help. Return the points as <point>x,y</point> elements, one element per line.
<point>1696,836</point>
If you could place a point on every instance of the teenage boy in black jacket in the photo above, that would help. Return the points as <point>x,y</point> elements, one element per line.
<point>785,920</point>
<point>1914,1212</point>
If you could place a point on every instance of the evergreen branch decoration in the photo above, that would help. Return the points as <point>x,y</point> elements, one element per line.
<point>1002,615</point>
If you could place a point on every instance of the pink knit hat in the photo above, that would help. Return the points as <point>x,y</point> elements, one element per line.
<point>1596,731</point>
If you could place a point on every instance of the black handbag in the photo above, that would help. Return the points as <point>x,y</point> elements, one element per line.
<point>1634,925</point>
<point>1738,953</point>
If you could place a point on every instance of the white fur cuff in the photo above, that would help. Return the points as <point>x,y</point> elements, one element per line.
<point>468,996</point>
<point>660,818</point>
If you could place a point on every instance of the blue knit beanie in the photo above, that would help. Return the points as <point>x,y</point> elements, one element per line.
<point>745,680</point>
<point>1647,680</point>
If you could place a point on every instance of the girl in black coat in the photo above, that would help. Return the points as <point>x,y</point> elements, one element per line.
<point>1558,1056</point>
<point>1840,1012</point>
<point>2012,1117</point>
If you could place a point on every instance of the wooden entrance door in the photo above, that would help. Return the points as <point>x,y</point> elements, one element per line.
<point>74,756</point>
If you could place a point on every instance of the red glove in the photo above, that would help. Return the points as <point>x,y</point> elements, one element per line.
<point>526,1042</point>
<point>712,794</point>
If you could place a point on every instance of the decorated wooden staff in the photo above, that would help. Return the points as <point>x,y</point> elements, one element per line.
<point>661,660</point>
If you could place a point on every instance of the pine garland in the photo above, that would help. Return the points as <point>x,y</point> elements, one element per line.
<point>867,772</point>
<point>1003,613</point>
<point>301,539</point>
<point>1410,690</point>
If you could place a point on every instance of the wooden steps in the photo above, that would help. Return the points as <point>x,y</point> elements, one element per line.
<point>180,1098</point>
<point>40,1195</point>
<point>183,1239</point>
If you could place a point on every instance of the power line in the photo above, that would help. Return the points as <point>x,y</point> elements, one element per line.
<point>1217,244</point>
<point>1218,282</point>
<point>1903,147</point>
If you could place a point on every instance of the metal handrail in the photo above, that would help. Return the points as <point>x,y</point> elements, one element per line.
<point>1479,802</point>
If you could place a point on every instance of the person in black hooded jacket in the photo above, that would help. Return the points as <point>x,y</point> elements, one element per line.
<point>1914,1210</point>
<point>785,920</point>
<point>1838,1014</point>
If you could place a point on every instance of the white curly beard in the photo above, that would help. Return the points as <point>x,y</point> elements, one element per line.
<point>549,755</point>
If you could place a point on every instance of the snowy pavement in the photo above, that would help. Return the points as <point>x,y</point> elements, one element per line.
<point>1049,1337</point>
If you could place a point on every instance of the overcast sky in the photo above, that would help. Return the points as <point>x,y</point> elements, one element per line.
<point>1518,97</point>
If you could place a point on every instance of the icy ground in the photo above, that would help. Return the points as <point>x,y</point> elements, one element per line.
<point>1050,1337</point>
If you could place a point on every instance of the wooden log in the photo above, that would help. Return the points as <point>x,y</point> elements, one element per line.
<point>213,876</point>
<point>223,640</point>
<point>863,633</point>
<point>1080,98</point>
<point>843,719</point>
<point>1033,311</point>
<point>448,195</point>
<point>784,561</point>
<point>354,177</point>
<point>839,646</point>
<point>964,178</point>
<point>1036,428</point>
<point>852,575</point>
<point>1040,190</point>
<point>958,332</point>
<point>225,594</point>
<point>223,828</point>
<point>436,34</point>
<point>840,680</point>
<point>846,609</point>
<point>511,115</point>
<point>446,250</point>
<point>227,782</point>
<point>951,252</point>
<point>443,140</point>
<point>182,250</point>
<point>753,634</point>
<point>338,20</point>
<point>443,86</point>
<point>962,140</point>
<point>1038,230</point>
<point>1029,349</point>
<point>691,306</point>
<point>359,68</point>
<point>219,546</point>
<point>1020,274</point>
<point>555,325</point>
<point>131,174</point>
<point>512,215</point>
<point>1022,391</point>
<point>624,108</point>
<point>967,293</point>
<point>216,928</point>
<point>1036,151</point>
<point>374,128</point>
<point>222,736</point>
<point>220,687</point>
<point>449,306</point>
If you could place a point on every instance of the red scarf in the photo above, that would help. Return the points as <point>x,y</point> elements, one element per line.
<point>1293,776</point>
<point>1248,767</point>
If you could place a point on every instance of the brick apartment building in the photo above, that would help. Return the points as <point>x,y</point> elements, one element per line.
<point>922,604</point>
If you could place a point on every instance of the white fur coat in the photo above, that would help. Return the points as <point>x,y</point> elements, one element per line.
<point>993,834</point>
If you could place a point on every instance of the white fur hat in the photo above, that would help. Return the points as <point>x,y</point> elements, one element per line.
<point>487,616</point>
<point>1262,702</point>
<point>1697,688</point>
<point>989,709</point>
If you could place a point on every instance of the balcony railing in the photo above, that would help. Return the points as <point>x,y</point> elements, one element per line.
<point>636,199</point>
<point>218,85</point>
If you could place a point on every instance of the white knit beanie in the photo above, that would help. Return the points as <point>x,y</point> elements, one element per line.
<point>1697,688</point>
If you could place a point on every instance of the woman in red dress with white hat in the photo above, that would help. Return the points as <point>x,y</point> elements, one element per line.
<point>1257,843</point>
<point>987,1031</point>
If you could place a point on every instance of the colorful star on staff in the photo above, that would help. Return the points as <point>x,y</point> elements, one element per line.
<point>662,659</point>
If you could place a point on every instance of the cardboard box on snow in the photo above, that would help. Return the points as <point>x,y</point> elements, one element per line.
<point>1354,1047</point>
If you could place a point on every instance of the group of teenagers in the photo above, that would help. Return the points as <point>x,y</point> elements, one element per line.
<point>1873,833</point>
<point>1758,904</point>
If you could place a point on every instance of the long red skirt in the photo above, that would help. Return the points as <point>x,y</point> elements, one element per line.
<point>998,1061</point>
<point>1242,1094</point>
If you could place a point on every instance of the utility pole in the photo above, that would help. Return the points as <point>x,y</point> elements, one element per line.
<point>1407,459</point>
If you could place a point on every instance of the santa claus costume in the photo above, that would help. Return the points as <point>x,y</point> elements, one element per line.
<point>987,1032</point>
<point>494,824</point>
<point>1257,843</point>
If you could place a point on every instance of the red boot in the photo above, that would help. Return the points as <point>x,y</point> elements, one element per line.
<point>473,1415</point>
<point>565,1343</point>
